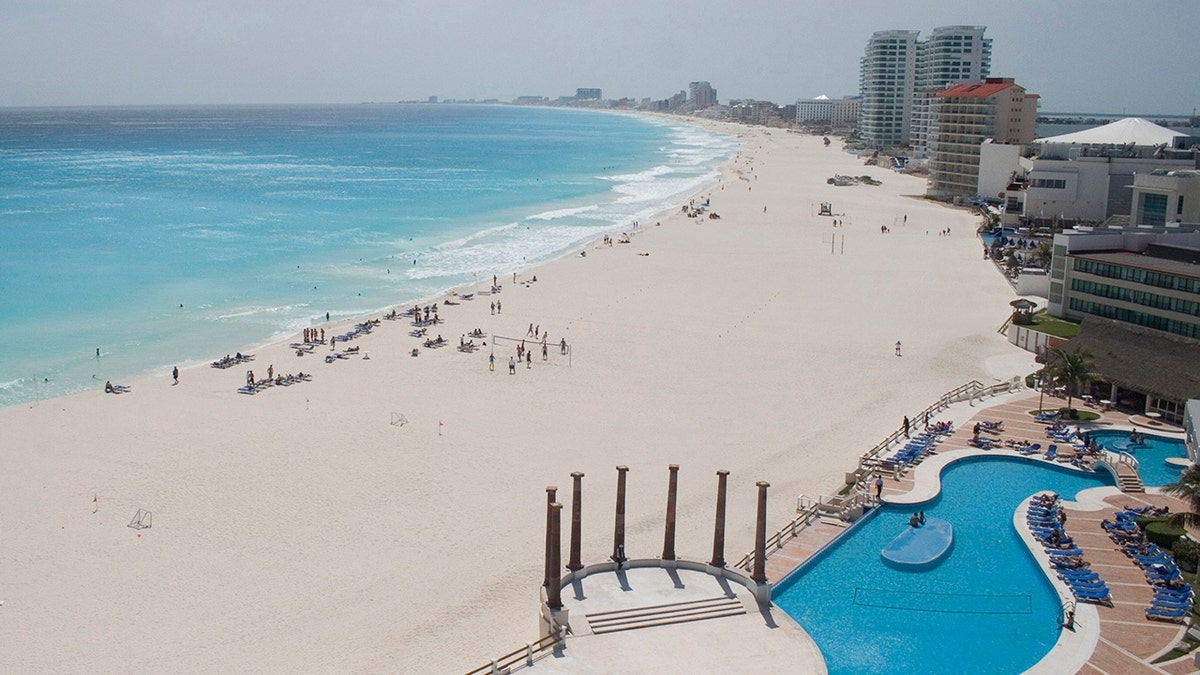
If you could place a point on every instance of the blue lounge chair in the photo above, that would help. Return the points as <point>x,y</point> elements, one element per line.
<point>1064,551</point>
<point>1176,615</point>
<point>1159,603</point>
<point>1051,453</point>
<point>1101,596</point>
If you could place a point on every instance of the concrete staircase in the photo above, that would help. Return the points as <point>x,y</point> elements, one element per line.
<point>664,615</point>
<point>1128,479</point>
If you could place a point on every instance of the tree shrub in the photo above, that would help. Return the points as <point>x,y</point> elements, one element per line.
<point>1159,532</point>
<point>1187,553</point>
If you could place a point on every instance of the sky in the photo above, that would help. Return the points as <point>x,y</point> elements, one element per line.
<point>1099,56</point>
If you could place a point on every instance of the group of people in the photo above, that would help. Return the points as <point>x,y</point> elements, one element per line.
<point>228,360</point>
<point>917,519</point>
<point>312,335</point>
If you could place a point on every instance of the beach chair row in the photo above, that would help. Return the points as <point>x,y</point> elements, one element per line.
<point>279,381</point>
<point>1044,519</point>
<point>916,448</point>
<point>230,361</point>
<point>1173,598</point>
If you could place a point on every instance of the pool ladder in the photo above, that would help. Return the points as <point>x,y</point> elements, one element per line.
<point>1066,615</point>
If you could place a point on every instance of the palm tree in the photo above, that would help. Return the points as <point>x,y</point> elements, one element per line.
<point>1072,369</point>
<point>1044,253</point>
<point>1186,488</point>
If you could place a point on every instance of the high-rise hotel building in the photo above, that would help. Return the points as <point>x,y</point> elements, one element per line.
<point>900,73</point>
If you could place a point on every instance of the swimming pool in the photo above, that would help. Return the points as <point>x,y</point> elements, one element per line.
<point>987,608</point>
<point>1151,455</point>
<point>989,237</point>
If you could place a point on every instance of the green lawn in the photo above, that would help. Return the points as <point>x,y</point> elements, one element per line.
<point>1044,323</point>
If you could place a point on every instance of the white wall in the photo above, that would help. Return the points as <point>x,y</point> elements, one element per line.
<point>997,162</point>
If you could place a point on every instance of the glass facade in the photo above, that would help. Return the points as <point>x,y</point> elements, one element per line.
<point>1154,321</point>
<point>1174,314</point>
<point>1154,209</point>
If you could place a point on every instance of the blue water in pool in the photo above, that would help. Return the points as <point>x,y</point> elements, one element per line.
<point>164,236</point>
<point>1151,455</point>
<point>986,608</point>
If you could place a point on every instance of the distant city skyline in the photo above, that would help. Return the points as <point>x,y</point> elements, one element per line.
<point>1097,56</point>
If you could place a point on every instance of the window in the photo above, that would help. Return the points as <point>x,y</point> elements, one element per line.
<point>1179,208</point>
<point>1154,209</point>
<point>1051,183</point>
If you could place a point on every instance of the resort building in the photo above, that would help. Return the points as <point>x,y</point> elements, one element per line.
<point>1136,292</point>
<point>841,112</point>
<point>1145,370</point>
<point>1087,176</point>
<point>702,95</point>
<point>899,75</point>
<point>753,112</point>
<point>951,55</point>
<point>1149,276</point>
<point>1162,197</point>
<point>886,81</point>
<point>587,94</point>
<point>966,115</point>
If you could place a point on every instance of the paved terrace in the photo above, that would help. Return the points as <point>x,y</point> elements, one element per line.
<point>727,626</point>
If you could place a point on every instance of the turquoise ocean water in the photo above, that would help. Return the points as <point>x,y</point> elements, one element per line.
<point>165,236</point>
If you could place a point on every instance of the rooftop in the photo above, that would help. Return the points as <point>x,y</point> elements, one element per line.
<point>1135,130</point>
<point>989,87</point>
<point>1143,262</point>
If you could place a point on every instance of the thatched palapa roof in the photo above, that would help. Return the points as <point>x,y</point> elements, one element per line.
<point>1143,359</point>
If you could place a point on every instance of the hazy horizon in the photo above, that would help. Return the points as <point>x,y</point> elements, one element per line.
<point>1101,56</point>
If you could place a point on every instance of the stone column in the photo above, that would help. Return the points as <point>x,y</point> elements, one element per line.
<point>550,572</point>
<point>672,492</point>
<point>760,535</point>
<point>576,520</point>
<point>554,560</point>
<point>618,555</point>
<point>718,558</point>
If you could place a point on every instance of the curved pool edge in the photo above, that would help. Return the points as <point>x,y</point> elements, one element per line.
<point>1074,648</point>
<point>927,476</point>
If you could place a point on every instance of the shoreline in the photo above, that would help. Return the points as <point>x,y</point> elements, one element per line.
<point>742,344</point>
<point>128,359</point>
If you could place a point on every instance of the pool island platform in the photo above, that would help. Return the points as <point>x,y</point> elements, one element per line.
<point>732,632</point>
<point>920,545</point>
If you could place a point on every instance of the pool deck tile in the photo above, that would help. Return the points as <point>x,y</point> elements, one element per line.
<point>1124,627</point>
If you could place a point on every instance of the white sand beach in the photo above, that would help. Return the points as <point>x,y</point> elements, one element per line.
<point>299,530</point>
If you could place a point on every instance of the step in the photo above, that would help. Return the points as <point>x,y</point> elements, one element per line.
<point>652,620</point>
<point>662,615</point>
<point>633,612</point>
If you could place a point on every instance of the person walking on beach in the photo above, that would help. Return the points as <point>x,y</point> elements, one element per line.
<point>493,308</point>
<point>497,306</point>
<point>545,354</point>
<point>562,346</point>
<point>492,362</point>
<point>528,359</point>
<point>175,374</point>
<point>529,333</point>
<point>897,348</point>
<point>512,366</point>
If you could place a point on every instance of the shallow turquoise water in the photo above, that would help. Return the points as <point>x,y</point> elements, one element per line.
<point>986,608</point>
<point>1152,455</point>
<point>163,236</point>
